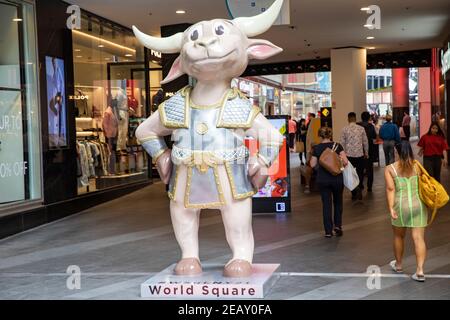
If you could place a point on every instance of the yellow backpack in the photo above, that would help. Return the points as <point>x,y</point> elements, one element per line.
<point>431,192</point>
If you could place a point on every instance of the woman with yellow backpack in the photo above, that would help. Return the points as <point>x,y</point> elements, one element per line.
<point>410,192</point>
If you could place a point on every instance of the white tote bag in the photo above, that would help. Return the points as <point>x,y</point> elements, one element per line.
<point>351,179</point>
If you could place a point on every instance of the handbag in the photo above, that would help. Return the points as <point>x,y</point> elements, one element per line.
<point>331,161</point>
<point>431,192</point>
<point>351,179</point>
<point>299,146</point>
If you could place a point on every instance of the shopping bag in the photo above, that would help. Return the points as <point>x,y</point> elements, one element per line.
<point>351,179</point>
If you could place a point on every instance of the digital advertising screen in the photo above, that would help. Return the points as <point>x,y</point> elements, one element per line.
<point>56,103</point>
<point>275,195</point>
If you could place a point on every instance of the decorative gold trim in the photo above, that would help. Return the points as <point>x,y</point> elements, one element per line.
<point>149,138</point>
<point>187,205</point>
<point>173,194</point>
<point>236,195</point>
<point>185,92</point>
<point>157,155</point>
<point>225,97</point>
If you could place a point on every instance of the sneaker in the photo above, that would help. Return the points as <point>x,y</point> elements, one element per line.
<point>418,277</point>
<point>338,232</point>
<point>394,268</point>
<point>328,236</point>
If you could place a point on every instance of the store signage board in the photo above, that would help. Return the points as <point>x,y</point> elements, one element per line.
<point>211,284</point>
<point>250,8</point>
<point>445,60</point>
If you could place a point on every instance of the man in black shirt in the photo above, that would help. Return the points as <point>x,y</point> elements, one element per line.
<point>371,137</point>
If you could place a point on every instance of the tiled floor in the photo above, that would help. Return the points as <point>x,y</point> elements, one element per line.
<point>118,245</point>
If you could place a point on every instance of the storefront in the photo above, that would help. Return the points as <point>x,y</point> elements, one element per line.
<point>445,86</point>
<point>110,103</point>
<point>70,102</point>
<point>291,94</point>
<point>20,138</point>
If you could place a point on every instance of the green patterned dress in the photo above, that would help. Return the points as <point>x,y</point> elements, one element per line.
<point>412,212</point>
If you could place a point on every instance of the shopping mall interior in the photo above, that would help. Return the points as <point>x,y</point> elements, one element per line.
<point>81,186</point>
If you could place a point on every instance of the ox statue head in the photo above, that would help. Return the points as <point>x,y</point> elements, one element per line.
<point>217,49</point>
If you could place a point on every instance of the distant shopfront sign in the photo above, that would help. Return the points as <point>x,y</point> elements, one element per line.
<point>445,60</point>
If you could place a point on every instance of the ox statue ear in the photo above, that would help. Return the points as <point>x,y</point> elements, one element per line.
<point>262,49</point>
<point>175,72</point>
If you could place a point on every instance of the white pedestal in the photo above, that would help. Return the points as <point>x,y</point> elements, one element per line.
<point>211,284</point>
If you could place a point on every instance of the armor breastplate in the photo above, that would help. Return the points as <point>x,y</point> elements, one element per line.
<point>204,138</point>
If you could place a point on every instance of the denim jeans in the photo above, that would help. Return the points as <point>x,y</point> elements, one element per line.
<point>389,154</point>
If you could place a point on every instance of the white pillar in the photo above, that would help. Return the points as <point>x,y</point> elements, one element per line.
<point>348,79</point>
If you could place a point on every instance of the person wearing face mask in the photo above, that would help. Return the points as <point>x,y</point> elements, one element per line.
<point>433,148</point>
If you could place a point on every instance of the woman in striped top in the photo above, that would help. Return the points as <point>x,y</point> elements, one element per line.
<point>406,208</point>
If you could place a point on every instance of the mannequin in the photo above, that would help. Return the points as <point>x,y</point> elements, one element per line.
<point>123,117</point>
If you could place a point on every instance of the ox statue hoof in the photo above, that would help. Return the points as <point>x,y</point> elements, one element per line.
<point>238,269</point>
<point>188,267</point>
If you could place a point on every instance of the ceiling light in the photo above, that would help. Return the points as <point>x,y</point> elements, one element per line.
<point>79,56</point>
<point>365,9</point>
<point>180,12</point>
<point>101,46</point>
<point>102,40</point>
<point>128,55</point>
<point>77,50</point>
<point>370,38</point>
<point>370,48</point>
<point>17,20</point>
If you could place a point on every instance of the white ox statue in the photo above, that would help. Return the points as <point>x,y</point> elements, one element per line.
<point>209,165</point>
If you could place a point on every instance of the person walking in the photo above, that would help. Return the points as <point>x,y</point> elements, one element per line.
<point>371,138</point>
<point>406,209</point>
<point>292,132</point>
<point>433,148</point>
<point>406,125</point>
<point>391,136</point>
<point>301,134</point>
<point>331,187</point>
<point>356,146</point>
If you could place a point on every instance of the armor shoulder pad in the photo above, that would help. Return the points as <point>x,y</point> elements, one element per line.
<point>237,112</point>
<point>174,112</point>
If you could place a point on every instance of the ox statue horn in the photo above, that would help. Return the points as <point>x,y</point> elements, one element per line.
<point>171,44</point>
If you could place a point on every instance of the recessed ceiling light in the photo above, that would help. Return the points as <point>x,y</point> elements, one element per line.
<point>101,46</point>
<point>77,50</point>
<point>128,55</point>
<point>370,38</point>
<point>365,9</point>
<point>180,12</point>
<point>371,48</point>
<point>17,20</point>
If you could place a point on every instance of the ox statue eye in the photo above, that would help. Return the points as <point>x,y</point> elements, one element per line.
<point>220,28</point>
<point>196,33</point>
